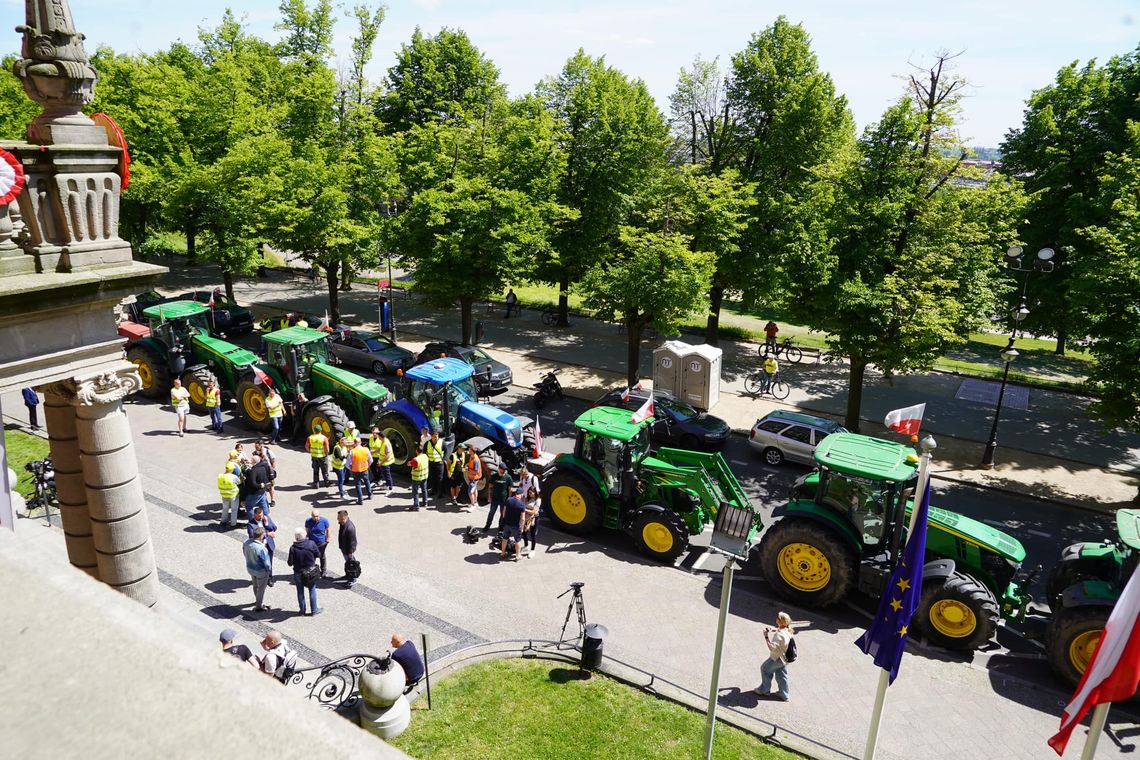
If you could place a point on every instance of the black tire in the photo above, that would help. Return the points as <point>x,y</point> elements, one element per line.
<point>793,354</point>
<point>378,368</point>
<point>1072,636</point>
<point>661,535</point>
<point>780,389</point>
<point>549,317</point>
<point>573,503</point>
<point>559,394</point>
<point>1070,570</point>
<point>773,456</point>
<point>752,384</point>
<point>152,371</point>
<point>332,420</point>
<point>251,402</point>
<point>806,562</point>
<point>401,435</point>
<point>958,613</point>
<point>196,381</point>
<point>764,349</point>
<point>539,400</point>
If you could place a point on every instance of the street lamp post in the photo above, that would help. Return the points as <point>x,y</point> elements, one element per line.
<point>390,209</point>
<point>1015,260</point>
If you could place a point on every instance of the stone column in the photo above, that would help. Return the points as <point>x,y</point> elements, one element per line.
<point>59,418</point>
<point>119,527</point>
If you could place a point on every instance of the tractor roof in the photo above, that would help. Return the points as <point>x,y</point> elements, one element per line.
<point>1128,524</point>
<point>175,310</point>
<point>440,371</point>
<point>293,336</point>
<point>864,457</point>
<point>610,423</point>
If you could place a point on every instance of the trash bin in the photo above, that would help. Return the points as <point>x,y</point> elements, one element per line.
<point>592,644</point>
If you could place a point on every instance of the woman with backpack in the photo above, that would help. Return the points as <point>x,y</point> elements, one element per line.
<point>781,651</point>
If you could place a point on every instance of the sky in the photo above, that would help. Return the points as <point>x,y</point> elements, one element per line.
<point>1008,48</point>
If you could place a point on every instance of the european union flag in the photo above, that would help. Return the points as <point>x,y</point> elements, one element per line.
<point>885,639</point>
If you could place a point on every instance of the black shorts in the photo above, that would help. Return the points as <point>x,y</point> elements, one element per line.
<point>512,532</point>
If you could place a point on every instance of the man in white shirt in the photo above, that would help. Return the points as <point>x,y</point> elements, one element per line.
<point>180,400</point>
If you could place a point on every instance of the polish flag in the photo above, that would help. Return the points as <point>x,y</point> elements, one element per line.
<point>1114,670</point>
<point>644,413</point>
<point>259,376</point>
<point>537,439</point>
<point>906,421</point>
<point>627,391</point>
<point>211,299</point>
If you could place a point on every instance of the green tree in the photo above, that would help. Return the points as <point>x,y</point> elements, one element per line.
<point>16,108</point>
<point>654,278</point>
<point>614,139</point>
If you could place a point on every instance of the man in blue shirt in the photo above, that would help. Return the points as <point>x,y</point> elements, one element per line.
<point>318,529</point>
<point>258,565</point>
<point>32,400</point>
<point>405,653</point>
<point>262,520</point>
<point>513,512</point>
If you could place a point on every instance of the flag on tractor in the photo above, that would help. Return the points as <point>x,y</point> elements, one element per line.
<point>259,376</point>
<point>885,639</point>
<point>906,421</point>
<point>627,391</point>
<point>211,299</point>
<point>1114,670</point>
<point>644,413</point>
<point>537,439</point>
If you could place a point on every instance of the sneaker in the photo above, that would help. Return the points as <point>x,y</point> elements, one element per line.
<point>759,692</point>
<point>318,611</point>
<point>389,493</point>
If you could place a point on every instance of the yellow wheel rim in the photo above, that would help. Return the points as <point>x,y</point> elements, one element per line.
<point>145,374</point>
<point>322,425</point>
<point>804,567</point>
<point>197,393</point>
<point>952,618</point>
<point>657,536</point>
<point>568,505</point>
<point>1081,649</point>
<point>254,404</point>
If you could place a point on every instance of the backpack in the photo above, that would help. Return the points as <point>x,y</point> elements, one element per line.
<point>790,654</point>
<point>287,667</point>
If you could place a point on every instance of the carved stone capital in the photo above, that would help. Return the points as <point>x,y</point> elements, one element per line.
<point>104,387</point>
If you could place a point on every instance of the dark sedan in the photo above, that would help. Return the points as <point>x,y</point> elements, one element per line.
<point>228,318</point>
<point>677,423</point>
<point>491,375</point>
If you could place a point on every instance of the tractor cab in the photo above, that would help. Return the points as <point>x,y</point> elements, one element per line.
<point>175,324</point>
<point>439,389</point>
<point>614,444</point>
<point>295,350</point>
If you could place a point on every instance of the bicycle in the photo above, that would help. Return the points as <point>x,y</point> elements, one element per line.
<point>755,384</point>
<point>788,348</point>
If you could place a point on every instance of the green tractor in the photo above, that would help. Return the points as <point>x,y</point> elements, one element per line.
<point>612,480</point>
<point>1082,590</point>
<point>844,527</point>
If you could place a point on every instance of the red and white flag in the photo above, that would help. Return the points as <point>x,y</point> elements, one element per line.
<point>627,391</point>
<point>537,439</point>
<point>1114,670</point>
<point>259,376</point>
<point>211,299</point>
<point>644,413</point>
<point>906,421</point>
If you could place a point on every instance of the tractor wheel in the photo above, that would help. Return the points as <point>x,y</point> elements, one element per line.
<point>661,535</point>
<point>196,383</point>
<point>807,563</point>
<point>573,503</point>
<point>958,613</point>
<point>1073,635</point>
<point>1072,569</point>
<point>152,371</point>
<point>401,435</point>
<point>329,417</point>
<point>251,402</point>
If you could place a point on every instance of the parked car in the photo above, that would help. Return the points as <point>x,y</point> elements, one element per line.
<point>228,318</point>
<point>491,375</point>
<point>371,350</point>
<point>781,435</point>
<point>134,310</point>
<point>678,424</point>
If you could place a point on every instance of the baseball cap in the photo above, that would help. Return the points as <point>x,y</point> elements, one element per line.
<point>227,635</point>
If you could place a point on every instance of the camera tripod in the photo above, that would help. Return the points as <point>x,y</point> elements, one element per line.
<point>576,603</point>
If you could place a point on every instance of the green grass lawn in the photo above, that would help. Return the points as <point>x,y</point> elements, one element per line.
<point>538,709</point>
<point>23,448</point>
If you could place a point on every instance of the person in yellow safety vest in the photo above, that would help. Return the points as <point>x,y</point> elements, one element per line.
<point>275,407</point>
<point>317,445</point>
<point>351,434</point>
<point>383,457</point>
<point>472,474</point>
<point>358,462</point>
<point>456,464</point>
<point>771,369</point>
<point>434,451</point>
<point>228,486</point>
<point>435,419</point>
<point>214,405</point>
<point>419,465</point>
<point>180,400</point>
<point>337,461</point>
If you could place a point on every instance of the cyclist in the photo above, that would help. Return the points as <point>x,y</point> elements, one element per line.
<point>771,368</point>
<point>770,331</point>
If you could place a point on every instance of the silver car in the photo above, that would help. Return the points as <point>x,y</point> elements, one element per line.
<point>370,350</point>
<point>781,435</point>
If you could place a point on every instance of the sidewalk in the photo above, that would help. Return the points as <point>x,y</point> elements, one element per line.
<point>1049,451</point>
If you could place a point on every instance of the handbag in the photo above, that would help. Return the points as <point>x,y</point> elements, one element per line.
<point>352,569</point>
<point>311,575</point>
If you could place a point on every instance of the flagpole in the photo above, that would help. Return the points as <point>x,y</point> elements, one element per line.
<point>876,715</point>
<point>1096,728</point>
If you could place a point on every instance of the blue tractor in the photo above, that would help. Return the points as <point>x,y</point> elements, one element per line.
<point>440,395</point>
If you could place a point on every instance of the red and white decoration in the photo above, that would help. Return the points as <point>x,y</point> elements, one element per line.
<point>11,177</point>
<point>537,439</point>
<point>116,139</point>
<point>906,421</point>
<point>1114,670</point>
<point>260,377</point>
<point>644,413</point>
<point>627,391</point>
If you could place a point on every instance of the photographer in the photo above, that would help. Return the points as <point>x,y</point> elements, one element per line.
<point>776,665</point>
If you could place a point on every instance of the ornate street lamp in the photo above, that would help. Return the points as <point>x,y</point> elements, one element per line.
<point>1015,260</point>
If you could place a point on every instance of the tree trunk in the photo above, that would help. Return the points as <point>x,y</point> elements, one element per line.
<point>1062,339</point>
<point>564,299</point>
<point>191,243</point>
<point>854,393</point>
<point>712,328</point>
<point>228,281</point>
<point>332,278</point>
<point>345,275</point>
<point>465,319</point>
<point>633,327</point>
